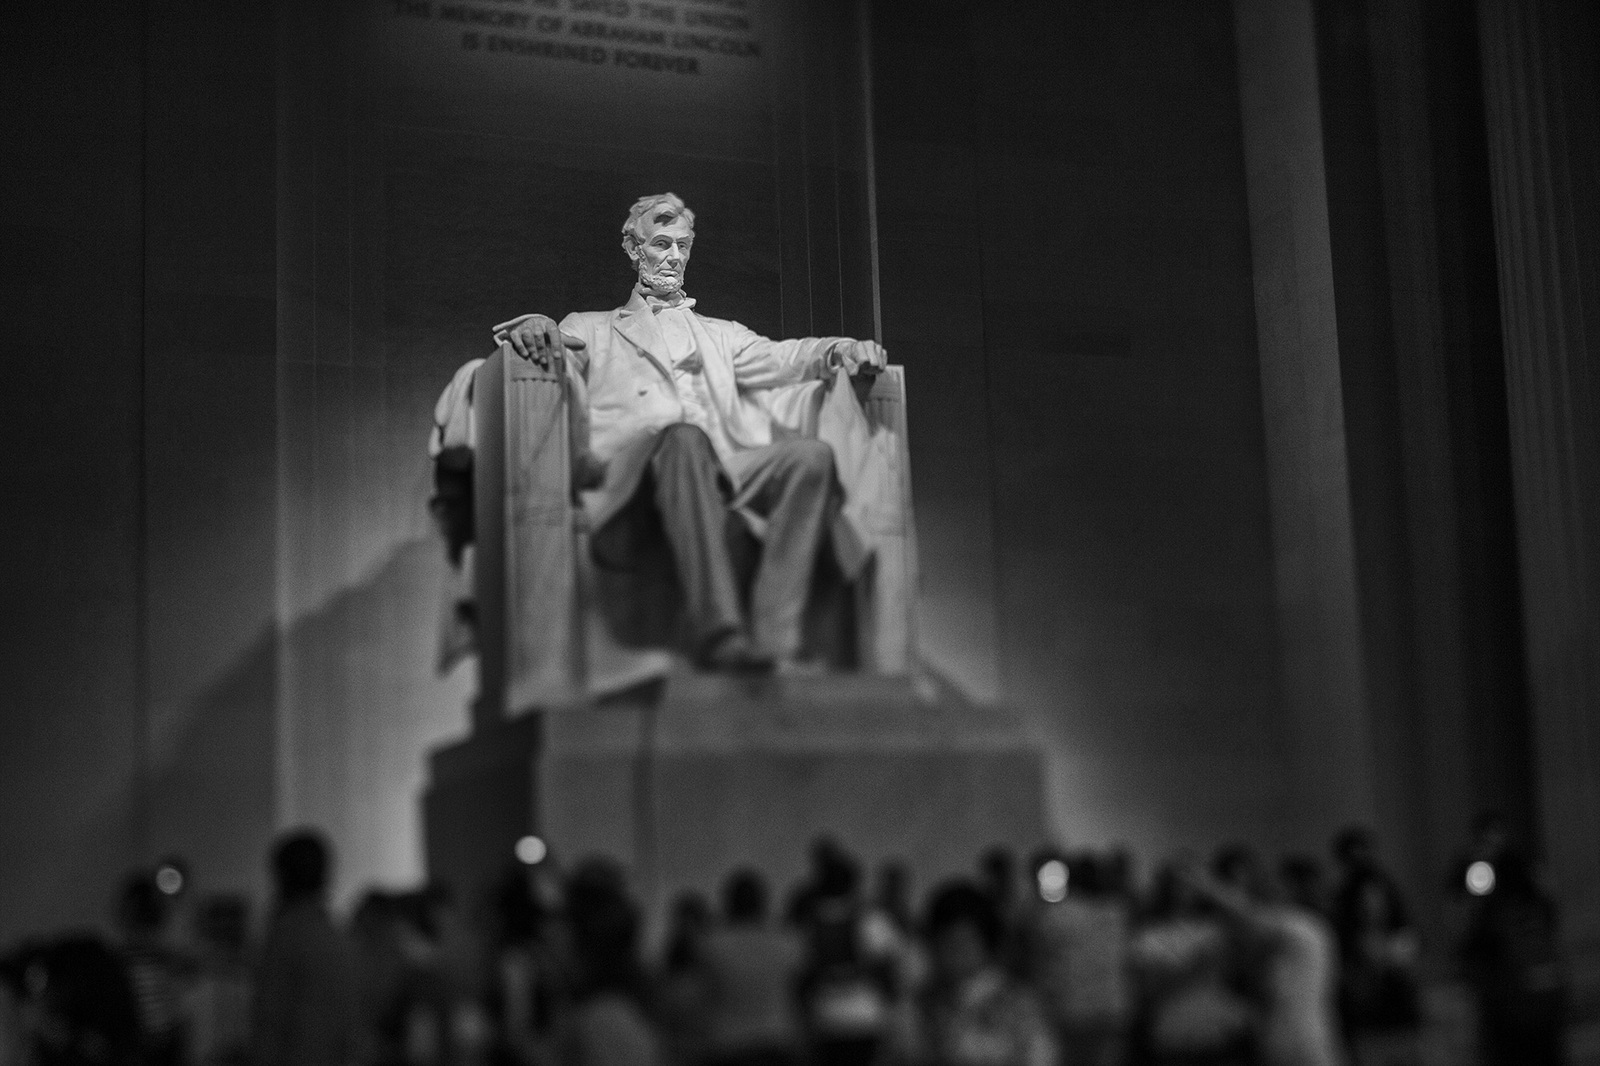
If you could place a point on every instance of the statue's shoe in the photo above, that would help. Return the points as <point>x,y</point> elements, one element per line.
<point>734,653</point>
<point>789,666</point>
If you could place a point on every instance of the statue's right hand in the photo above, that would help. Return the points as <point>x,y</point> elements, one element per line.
<point>534,337</point>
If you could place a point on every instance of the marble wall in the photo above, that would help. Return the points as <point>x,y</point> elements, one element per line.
<point>70,227</point>
<point>1067,268</point>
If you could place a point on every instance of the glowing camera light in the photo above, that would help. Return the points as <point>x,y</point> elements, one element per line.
<point>531,851</point>
<point>1053,881</point>
<point>169,879</point>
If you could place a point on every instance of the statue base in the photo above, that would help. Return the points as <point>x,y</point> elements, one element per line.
<point>699,774</point>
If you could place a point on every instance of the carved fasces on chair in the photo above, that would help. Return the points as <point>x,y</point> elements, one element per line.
<point>886,606</point>
<point>527,575</point>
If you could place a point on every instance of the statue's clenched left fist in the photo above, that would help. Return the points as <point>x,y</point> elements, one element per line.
<point>860,357</point>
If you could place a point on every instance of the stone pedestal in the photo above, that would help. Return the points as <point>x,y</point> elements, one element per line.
<point>704,773</point>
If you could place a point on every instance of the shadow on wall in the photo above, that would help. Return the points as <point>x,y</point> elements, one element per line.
<point>207,796</point>
<point>327,722</point>
<point>360,704</point>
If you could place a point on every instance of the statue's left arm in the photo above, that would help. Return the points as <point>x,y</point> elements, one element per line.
<point>760,363</point>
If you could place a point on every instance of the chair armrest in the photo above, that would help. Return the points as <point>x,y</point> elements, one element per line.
<point>524,508</point>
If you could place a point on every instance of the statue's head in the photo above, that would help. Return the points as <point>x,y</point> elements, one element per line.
<point>657,237</point>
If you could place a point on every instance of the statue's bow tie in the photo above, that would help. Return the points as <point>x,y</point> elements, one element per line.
<point>657,304</point>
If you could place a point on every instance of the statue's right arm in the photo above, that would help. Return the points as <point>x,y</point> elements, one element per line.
<point>535,337</point>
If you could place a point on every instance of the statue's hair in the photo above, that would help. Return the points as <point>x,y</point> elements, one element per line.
<point>661,208</point>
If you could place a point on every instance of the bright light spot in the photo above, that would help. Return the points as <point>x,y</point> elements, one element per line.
<point>531,851</point>
<point>1480,878</point>
<point>169,879</point>
<point>1053,881</point>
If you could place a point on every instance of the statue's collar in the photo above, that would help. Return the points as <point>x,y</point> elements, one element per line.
<point>643,299</point>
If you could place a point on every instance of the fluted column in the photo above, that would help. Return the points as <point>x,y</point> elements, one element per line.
<point>1326,720</point>
<point>1541,100</point>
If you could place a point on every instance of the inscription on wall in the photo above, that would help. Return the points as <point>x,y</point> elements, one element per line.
<point>682,37</point>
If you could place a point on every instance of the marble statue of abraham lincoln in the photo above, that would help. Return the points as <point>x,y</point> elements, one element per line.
<point>680,442</point>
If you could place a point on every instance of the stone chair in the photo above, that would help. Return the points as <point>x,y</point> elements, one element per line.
<point>529,586</point>
<point>599,747</point>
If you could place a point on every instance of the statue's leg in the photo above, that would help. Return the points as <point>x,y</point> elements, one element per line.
<point>688,484</point>
<point>790,484</point>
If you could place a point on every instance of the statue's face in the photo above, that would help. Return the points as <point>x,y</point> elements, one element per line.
<point>663,256</point>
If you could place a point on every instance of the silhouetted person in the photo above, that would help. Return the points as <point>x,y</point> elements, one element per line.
<point>830,864</point>
<point>13,1036</point>
<point>889,929</point>
<point>973,1012</point>
<point>445,1021</point>
<point>1292,960</point>
<point>1378,949</point>
<point>750,968</point>
<point>526,985</point>
<point>220,1034</point>
<point>1117,876</point>
<point>846,994</point>
<point>691,917</point>
<point>680,979</point>
<point>1304,884</point>
<point>607,1024</point>
<point>998,878</point>
<point>1074,941</point>
<point>175,878</point>
<point>74,1005</point>
<point>1513,958</point>
<point>305,995</point>
<point>1191,1011</point>
<point>380,946</point>
<point>891,896</point>
<point>1360,870</point>
<point>156,972</point>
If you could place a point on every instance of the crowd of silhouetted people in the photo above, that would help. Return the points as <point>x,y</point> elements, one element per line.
<point>1062,960</point>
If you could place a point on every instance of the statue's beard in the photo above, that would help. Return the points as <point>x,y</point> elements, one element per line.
<point>662,282</point>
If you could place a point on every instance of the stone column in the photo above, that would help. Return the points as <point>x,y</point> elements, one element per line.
<point>1541,102</point>
<point>1326,726</point>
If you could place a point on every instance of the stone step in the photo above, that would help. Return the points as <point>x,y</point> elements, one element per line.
<point>685,780</point>
<point>704,712</point>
